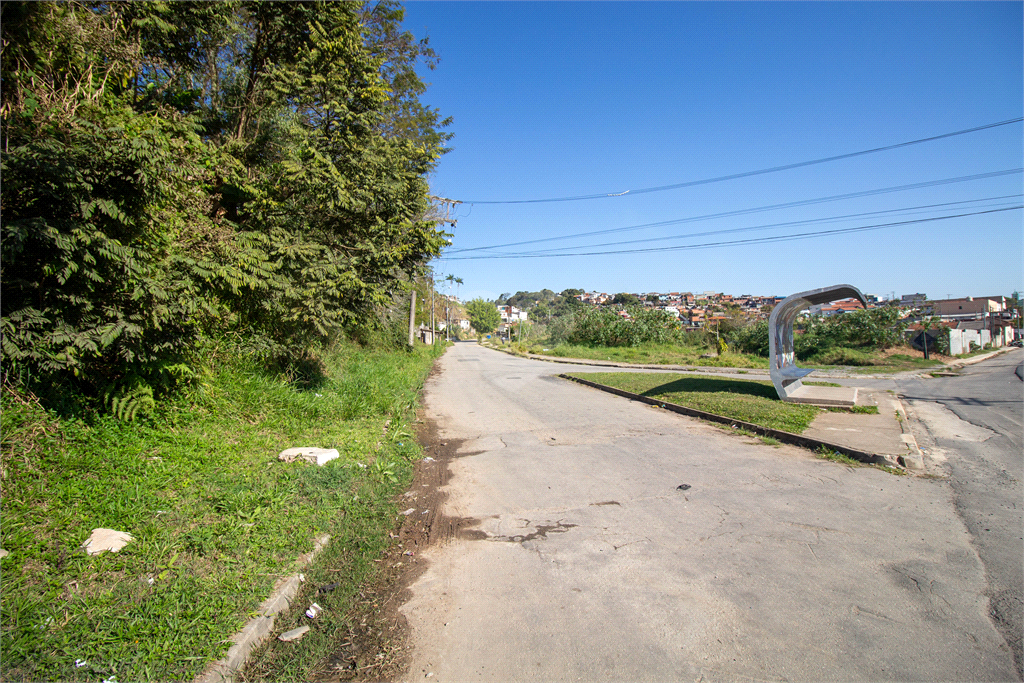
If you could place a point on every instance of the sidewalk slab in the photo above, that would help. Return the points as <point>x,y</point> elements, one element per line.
<point>832,397</point>
<point>885,434</point>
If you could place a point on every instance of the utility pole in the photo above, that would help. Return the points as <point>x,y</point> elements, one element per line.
<point>412,319</point>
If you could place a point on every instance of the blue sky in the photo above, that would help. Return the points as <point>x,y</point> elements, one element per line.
<point>565,99</point>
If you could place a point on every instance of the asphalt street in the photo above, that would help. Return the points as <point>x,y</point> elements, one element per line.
<point>616,541</point>
<point>974,426</point>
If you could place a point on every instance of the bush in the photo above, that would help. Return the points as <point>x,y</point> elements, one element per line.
<point>592,326</point>
<point>752,339</point>
<point>842,356</point>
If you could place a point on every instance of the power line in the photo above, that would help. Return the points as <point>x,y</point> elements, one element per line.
<point>759,209</point>
<point>753,240</point>
<point>747,174</point>
<point>826,219</point>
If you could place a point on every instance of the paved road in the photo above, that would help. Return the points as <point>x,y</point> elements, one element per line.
<point>974,430</point>
<point>590,564</point>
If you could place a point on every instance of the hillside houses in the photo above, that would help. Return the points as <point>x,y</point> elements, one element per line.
<point>697,309</point>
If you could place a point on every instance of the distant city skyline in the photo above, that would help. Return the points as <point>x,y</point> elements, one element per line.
<point>614,100</point>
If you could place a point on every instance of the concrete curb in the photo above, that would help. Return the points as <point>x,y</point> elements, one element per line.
<point>260,626</point>
<point>787,437</point>
<point>978,359</point>
<point>914,460</point>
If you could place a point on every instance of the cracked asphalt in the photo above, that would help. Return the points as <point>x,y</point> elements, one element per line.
<point>973,431</point>
<point>590,563</point>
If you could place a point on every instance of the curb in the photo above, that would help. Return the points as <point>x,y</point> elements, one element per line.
<point>787,437</point>
<point>914,460</point>
<point>260,626</point>
<point>978,359</point>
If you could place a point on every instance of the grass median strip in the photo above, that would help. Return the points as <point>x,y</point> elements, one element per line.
<point>653,354</point>
<point>216,518</point>
<point>746,400</point>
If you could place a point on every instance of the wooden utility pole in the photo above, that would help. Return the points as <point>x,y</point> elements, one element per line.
<point>412,319</point>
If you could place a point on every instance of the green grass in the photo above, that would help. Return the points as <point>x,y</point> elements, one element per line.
<point>217,519</point>
<point>747,400</point>
<point>863,361</point>
<point>656,354</point>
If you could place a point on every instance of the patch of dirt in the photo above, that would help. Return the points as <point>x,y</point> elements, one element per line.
<point>914,353</point>
<point>378,648</point>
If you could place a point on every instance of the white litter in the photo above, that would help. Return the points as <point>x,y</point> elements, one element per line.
<point>318,456</point>
<point>106,539</point>
<point>313,611</point>
<point>294,634</point>
<point>409,511</point>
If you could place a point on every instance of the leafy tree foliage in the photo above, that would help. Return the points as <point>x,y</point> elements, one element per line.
<point>483,316</point>
<point>174,171</point>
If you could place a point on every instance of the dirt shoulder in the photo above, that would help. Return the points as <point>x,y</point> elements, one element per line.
<point>378,648</point>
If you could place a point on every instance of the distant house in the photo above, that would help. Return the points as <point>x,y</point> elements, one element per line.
<point>967,306</point>
<point>511,314</point>
<point>836,307</point>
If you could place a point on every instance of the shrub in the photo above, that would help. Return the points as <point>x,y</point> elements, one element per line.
<point>592,326</point>
<point>752,339</point>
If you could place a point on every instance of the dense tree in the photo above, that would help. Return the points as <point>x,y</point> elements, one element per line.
<point>483,316</point>
<point>175,170</point>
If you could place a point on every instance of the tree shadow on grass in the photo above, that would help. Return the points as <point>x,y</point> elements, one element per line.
<point>714,385</point>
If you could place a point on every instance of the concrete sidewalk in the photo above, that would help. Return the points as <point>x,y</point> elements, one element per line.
<point>615,542</point>
<point>886,434</point>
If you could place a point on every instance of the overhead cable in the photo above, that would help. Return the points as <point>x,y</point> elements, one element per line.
<point>758,209</point>
<point>908,210</point>
<point>753,240</point>
<point>747,174</point>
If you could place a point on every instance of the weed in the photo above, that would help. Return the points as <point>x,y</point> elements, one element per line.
<point>826,453</point>
<point>770,441</point>
<point>861,410</point>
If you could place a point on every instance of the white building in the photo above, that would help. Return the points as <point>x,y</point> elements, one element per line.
<point>511,314</point>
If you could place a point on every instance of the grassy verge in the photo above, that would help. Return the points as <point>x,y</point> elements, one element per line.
<point>216,518</point>
<point>750,401</point>
<point>654,354</point>
<point>858,360</point>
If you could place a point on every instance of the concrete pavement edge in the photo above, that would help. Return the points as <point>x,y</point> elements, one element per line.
<point>261,626</point>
